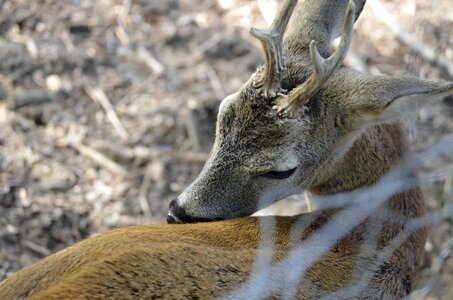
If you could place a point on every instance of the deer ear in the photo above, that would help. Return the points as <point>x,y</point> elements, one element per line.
<point>413,100</point>
<point>338,16</point>
<point>390,99</point>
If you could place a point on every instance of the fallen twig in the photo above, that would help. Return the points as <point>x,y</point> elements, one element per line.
<point>98,95</point>
<point>31,98</point>
<point>143,194</point>
<point>101,160</point>
<point>142,153</point>
<point>150,60</point>
<point>122,153</point>
<point>38,249</point>
<point>5,265</point>
<point>215,82</point>
<point>199,157</point>
<point>192,127</point>
<point>120,30</point>
<point>205,46</point>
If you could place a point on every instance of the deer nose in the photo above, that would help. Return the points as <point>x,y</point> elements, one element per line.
<point>177,215</point>
<point>172,217</point>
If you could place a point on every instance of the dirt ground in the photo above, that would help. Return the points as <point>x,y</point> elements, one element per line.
<point>107,108</point>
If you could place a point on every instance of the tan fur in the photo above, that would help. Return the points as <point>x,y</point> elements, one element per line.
<point>348,139</point>
<point>186,261</point>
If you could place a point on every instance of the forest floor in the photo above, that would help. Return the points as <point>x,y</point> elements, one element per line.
<point>107,108</point>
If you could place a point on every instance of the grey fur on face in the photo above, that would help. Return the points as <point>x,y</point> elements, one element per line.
<point>301,113</point>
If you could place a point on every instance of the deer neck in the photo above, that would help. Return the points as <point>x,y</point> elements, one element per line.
<point>376,152</point>
<point>373,154</point>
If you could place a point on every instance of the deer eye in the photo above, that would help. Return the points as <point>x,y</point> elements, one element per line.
<point>279,174</point>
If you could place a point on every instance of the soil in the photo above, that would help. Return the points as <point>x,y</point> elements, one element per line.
<point>107,108</point>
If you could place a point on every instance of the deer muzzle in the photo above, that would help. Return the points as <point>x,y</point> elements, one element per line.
<point>177,215</point>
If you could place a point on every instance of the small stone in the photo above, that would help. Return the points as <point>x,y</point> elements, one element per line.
<point>54,83</point>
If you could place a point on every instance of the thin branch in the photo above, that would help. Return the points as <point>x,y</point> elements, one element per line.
<point>205,46</point>
<point>101,160</point>
<point>143,194</point>
<point>98,95</point>
<point>150,60</point>
<point>215,82</point>
<point>38,249</point>
<point>143,153</point>
<point>5,265</point>
<point>120,30</point>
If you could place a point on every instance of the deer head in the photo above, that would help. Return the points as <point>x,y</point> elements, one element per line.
<point>291,126</point>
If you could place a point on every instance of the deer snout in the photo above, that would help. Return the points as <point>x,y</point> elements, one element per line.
<point>172,217</point>
<point>177,215</point>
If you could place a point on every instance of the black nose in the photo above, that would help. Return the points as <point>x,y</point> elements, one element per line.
<point>177,215</point>
<point>171,215</point>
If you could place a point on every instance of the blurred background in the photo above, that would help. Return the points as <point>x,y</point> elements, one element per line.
<point>107,108</point>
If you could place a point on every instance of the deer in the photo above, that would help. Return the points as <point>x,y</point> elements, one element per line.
<point>302,121</point>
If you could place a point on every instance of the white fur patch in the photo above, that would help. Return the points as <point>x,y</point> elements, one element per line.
<point>288,163</point>
<point>227,101</point>
<point>276,194</point>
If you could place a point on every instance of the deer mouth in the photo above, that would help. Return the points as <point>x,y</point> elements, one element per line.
<point>177,215</point>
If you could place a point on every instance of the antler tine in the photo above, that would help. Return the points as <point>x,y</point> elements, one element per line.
<point>272,41</point>
<point>292,105</point>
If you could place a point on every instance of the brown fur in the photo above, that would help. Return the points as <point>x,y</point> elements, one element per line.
<point>186,261</point>
<point>206,260</point>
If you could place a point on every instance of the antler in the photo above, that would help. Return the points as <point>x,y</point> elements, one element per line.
<point>293,104</point>
<point>269,81</point>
